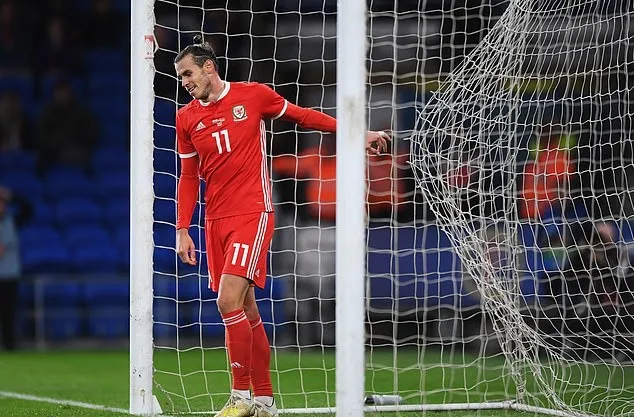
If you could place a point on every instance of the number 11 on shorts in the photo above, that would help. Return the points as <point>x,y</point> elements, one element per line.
<point>236,253</point>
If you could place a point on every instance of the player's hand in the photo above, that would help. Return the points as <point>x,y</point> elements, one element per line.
<point>185,247</point>
<point>376,142</point>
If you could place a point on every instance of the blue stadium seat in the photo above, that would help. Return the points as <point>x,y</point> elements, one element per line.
<point>43,250</point>
<point>164,136</point>
<point>165,112</point>
<point>62,308</point>
<point>21,84</point>
<point>78,211</point>
<point>63,182</point>
<point>44,213</point>
<point>165,210</point>
<point>165,185</point>
<point>100,83</point>
<point>122,243</point>
<point>106,60</point>
<point>112,185</point>
<point>107,305</point>
<point>23,184</point>
<point>117,211</point>
<point>166,161</point>
<point>63,323</point>
<point>108,322</point>
<point>17,161</point>
<point>48,82</point>
<point>92,249</point>
<point>109,159</point>
<point>116,131</point>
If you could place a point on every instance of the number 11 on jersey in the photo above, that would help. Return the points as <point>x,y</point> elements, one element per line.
<point>225,135</point>
<point>236,252</point>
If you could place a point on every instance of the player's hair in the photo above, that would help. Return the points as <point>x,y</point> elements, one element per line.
<point>201,51</point>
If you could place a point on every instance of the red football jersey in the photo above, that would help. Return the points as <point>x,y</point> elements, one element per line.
<point>230,138</point>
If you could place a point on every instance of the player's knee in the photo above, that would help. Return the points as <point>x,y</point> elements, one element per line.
<point>251,310</point>
<point>227,304</point>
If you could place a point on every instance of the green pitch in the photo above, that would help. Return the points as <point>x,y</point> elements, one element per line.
<point>31,382</point>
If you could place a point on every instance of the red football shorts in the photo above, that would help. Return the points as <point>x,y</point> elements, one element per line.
<point>238,245</point>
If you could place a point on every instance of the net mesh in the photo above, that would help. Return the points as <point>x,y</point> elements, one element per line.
<point>480,287</point>
<point>524,156</point>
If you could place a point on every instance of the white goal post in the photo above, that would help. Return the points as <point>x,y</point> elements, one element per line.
<point>483,263</point>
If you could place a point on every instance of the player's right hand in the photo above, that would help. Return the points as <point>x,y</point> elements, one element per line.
<point>185,247</point>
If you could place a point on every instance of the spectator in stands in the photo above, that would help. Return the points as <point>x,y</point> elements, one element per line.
<point>59,52</point>
<point>10,271</point>
<point>67,130</point>
<point>315,170</point>
<point>314,288</point>
<point>14,34</point>
<point>14,125</point>
<point>592,285</point>
<point>99,25</point>
<point>546,178</point>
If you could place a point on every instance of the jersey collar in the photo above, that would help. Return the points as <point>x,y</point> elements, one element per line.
<point>225,91</point>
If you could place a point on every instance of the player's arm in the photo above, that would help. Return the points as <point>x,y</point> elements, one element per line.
<point>186,194</point>
<point>277,107</point>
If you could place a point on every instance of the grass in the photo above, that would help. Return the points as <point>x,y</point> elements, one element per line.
<point>101,378</point>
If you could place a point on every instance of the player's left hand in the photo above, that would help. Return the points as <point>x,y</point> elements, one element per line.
<point>376,142</point>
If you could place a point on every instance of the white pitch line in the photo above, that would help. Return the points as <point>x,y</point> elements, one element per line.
<point>61,402</point>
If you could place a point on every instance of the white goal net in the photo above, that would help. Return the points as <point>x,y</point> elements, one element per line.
<point>498,232</point>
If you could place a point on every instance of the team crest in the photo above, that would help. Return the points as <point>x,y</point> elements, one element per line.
<point>239,113</point>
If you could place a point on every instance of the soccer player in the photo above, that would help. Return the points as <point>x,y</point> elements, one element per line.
<point>221,138</point>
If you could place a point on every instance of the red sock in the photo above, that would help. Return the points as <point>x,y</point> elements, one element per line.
<point>238,338</point>
<point>260,361</point>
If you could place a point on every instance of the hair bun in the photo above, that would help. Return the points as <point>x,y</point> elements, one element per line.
<point>198,40</point>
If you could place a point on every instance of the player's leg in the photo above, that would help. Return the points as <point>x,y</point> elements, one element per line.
<point>243,238</point>
<point>231,290</point>
<point>260,360</point>
<point>238,339</point>
<point>230,302</point>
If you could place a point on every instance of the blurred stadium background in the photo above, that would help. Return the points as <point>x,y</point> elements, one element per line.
<point>71,193</point>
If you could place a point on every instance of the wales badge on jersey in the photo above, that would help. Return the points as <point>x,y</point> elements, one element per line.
<point>239,113</point>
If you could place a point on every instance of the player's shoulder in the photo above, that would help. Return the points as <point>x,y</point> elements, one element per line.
<point>247,87</point>
<point>188,108</point>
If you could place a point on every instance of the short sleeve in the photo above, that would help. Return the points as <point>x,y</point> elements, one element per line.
<point>273,105</point>
<point>186,148</point>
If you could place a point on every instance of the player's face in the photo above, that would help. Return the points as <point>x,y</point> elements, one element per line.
<point>195,79</point>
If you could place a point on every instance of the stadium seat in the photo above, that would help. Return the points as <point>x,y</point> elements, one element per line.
<point>64,323</point>
<point>100,83</point>
<point>43,213</point>
<point>165,112</point>
<point>109,159</point>
<point>108,322</point>
<point>48,82</point>
<point>78,211</point>
<point>92,249</point>
<point>165,210</point>
<point>116,131</point>
<point>24,184</point>
<point>62,308</point>
<point>122,242</point>
<point>112,185</point>
<point>67,182</point>
<point>19,83</point>
<point>107,304</point>
<point>106,60</point>
<point>165,185</point>
<point>165,161</point>
<point>117,211</point>
<point>164,137</point>
<point>43,250</point>
<point>17,161</point>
